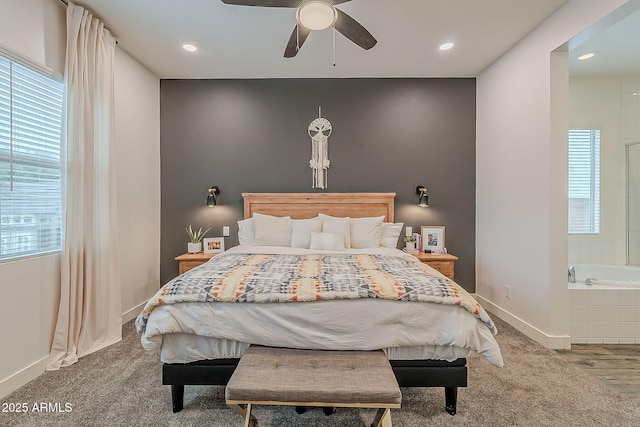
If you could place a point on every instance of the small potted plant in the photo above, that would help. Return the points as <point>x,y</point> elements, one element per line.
<point>410,243</point>
<point>195,237</point>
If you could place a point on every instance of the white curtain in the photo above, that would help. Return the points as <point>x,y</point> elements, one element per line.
<point>89,316</point>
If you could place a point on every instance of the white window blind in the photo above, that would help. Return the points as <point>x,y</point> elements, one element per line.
<point>30,145</point>
<point>584,181</point>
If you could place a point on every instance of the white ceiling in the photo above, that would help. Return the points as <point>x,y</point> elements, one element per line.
<point>617,51</point>
<point>248,42</point>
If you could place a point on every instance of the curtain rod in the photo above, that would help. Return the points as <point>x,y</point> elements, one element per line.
<point>66,3</point>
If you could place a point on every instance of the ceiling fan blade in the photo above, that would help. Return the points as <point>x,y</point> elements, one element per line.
<point>275,3</point>
<point>351,29</point>
<point>298,36</point>
<point>265,3</point>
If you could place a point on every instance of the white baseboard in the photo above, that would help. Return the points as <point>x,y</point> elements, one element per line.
<point>33,371</point>
<point>133,313</point>
<point>556,342</point>
<point>22,377</point>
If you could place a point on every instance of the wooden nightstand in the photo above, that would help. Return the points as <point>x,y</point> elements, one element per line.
<point>443,263</point>
<point>188,261</point>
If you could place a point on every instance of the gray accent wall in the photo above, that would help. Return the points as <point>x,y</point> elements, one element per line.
<point>389,135</point>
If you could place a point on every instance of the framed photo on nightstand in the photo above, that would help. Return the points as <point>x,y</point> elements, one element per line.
<point>432,238</point>
<point>213,245</point>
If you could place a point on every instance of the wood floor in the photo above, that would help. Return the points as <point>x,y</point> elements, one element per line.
<point>618,365</point>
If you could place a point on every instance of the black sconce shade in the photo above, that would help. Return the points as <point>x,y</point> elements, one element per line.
<point>423,196</point>
<point>212,196</point>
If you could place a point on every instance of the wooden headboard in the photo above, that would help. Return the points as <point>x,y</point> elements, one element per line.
<point>309,205</point>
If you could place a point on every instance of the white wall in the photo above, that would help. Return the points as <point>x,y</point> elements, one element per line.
<point>137,99</point>
<point>30,287</point>
<point>595,104</point>
<point>35,29</point>
<point>522,118</point>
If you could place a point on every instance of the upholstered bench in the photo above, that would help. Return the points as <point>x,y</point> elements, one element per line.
<point>282,376</point>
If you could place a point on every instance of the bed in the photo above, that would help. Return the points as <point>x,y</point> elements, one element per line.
<point>306,314</point>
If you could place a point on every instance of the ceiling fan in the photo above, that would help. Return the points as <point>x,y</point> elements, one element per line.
<point>315,15</point>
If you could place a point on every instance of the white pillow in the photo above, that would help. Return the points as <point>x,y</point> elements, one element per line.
<point>390,234</point>
<point>327,241</point>
<point>335,225</point>
<point>301,230</point>
<point>271,230</point>
<point>246,236</point>
<point>366,232</point>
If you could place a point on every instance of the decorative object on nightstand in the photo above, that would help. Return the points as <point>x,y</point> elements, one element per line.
<point>432,238</point>
<point>195,237</point>
<point>213,245</point>
<point>410,244</point>
<point>188,261</point>
<point>443,263</point>
<point>212,196</point>
<point>423,196</point>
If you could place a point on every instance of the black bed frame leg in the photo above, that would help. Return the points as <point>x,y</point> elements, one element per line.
<point>177,396</point>
<point>450,399</point>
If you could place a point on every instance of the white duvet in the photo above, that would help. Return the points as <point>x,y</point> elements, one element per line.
<point>186,332</point>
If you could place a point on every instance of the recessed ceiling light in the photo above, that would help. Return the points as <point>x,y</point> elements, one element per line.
<point>446,46</point>
<point>586,56</point>
<point>189,47</point>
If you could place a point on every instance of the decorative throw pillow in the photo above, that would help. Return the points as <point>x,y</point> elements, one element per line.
<point>327,241</point>
<point>246,236</point>
<point>390,234</point>
<point>272,230</point>
<point>366,232</point>
<point>301,230</point>
<point>336,225</point>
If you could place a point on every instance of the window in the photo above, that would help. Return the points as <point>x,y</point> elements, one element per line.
<point>30,164</point>
<point>584,181</point>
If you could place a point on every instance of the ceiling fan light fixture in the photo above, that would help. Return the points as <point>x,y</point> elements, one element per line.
<point>316,15</point>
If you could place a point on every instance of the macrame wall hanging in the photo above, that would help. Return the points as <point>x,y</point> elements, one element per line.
<point>319,131</point>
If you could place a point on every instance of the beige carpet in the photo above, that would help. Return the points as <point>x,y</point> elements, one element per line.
<point>121,386</point>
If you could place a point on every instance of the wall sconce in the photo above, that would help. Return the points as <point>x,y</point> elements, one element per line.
<point>212,196</point>
<point>423,196</point>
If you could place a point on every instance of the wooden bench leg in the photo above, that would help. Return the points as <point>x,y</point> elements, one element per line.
<point>383,418</point>
<point>249,419</point>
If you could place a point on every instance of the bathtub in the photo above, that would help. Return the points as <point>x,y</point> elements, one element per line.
<point>606,276</point>
<point>608,310</point>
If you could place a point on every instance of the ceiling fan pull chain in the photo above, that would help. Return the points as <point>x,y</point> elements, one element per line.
<point>334,45</point>
<point>297,38</point>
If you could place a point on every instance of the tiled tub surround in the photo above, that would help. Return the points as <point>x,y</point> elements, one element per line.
<point>607,312</point>
<point>612,105</point>
<point>630,136</point>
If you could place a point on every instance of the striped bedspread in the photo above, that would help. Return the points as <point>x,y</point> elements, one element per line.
<point>288,278</point>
